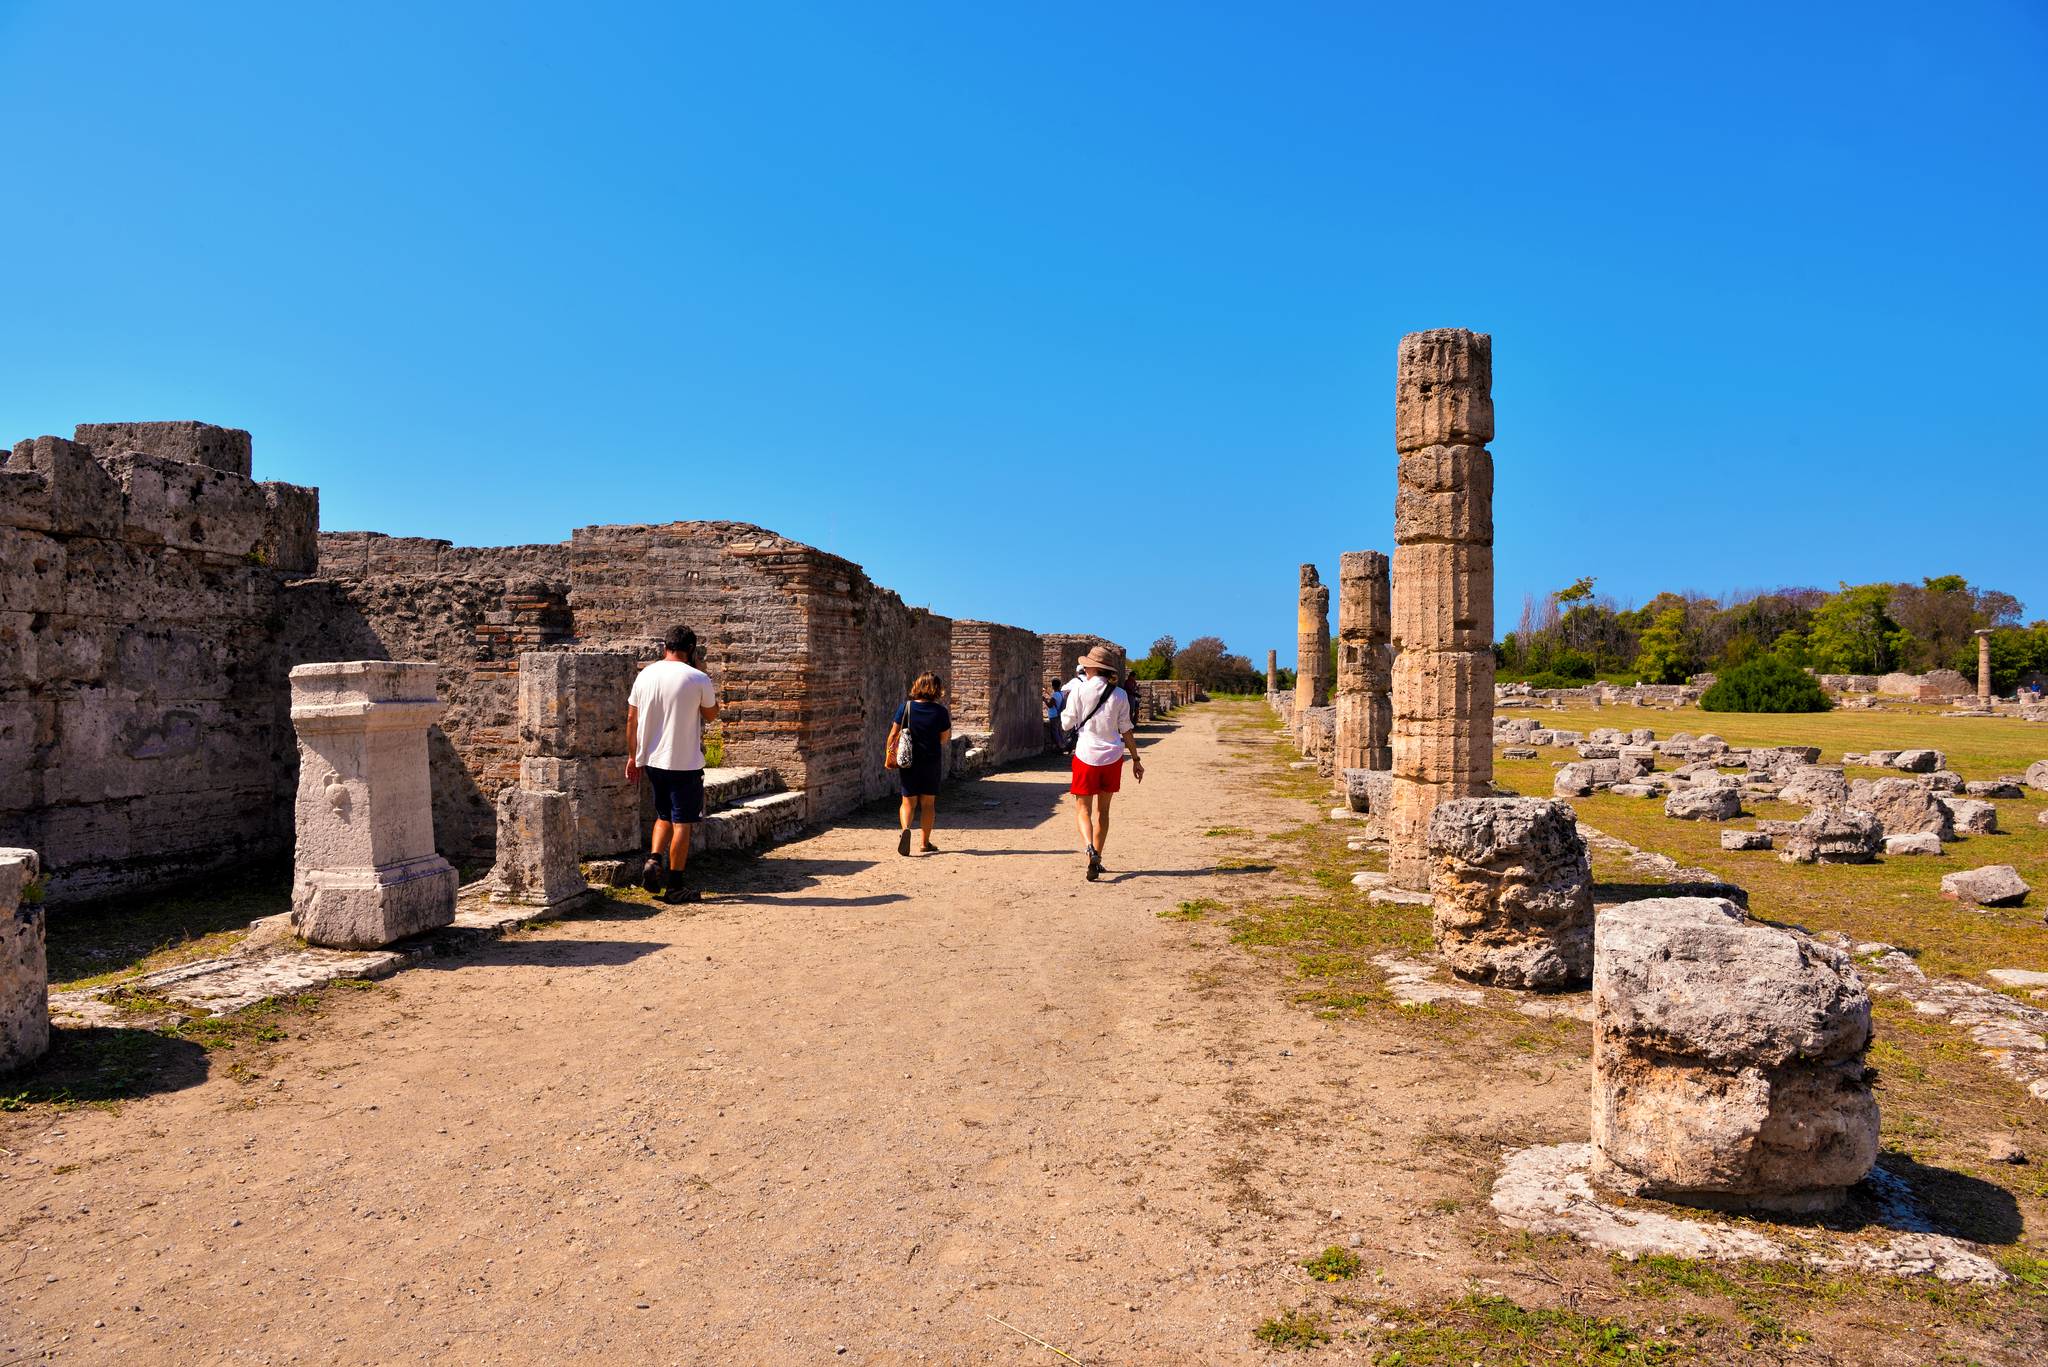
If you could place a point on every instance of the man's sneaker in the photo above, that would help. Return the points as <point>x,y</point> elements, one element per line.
<point>654,873</point>
<point>675,893</point>
<point>1094,864</point>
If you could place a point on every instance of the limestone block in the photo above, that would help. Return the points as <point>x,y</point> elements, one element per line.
<point>77,496</point>
<point>1716,803</point>
<point>1920,761</point>
<point>1728,1060</point>
<point>1810,785</point>
<point>1443,389</point>
<point>1745,840</point>
<point>364,868</point>
<point>1464,764</point>
<point>1444,493</point>
<point>1368,790</point>
<point>1582,777</point>
<point>24,969</point>
<point>1513,892</point>
<point>537,863</point>
<point>1443,599</point>
<point>604,808</point>
<point>1920,842</point>
<point>1902,806</point>
<point>572,703</point>
<point>1994,787</point>
<point>1969,816</point>
<point>1833,835</point>
<point>1994,885</point>
<point>1594,750</point>
<point>2037,775</point>
<point>1450,690</point>
<point>1406,826</point>
<point>193,443</point>
<point>1518,752</point>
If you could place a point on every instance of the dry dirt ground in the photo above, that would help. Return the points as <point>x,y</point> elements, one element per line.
<point>853,1108</point>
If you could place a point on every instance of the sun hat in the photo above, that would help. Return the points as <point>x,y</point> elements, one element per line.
<point>1102,657</point>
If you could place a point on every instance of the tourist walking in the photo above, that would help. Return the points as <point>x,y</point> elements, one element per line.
<point>665,716</point>
<point>930,728</point>
<point>1055,699</point>
<point>1098,714</point>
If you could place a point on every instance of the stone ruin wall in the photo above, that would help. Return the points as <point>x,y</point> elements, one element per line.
<point>470,609</point>
<point>1064,649</point>
<point>997,687</point>
<point>144,724</point>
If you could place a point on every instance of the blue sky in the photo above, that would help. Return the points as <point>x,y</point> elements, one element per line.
<point>1078,317</point>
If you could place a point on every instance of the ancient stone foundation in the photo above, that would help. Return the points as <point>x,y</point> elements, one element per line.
<point>1728,1060</point>
<point>365,872</point>
<point>1312,643</point>
<point>1513,892</point>
<point>1442,587</point>
<point>24,969</point>
<point>1365,661</point>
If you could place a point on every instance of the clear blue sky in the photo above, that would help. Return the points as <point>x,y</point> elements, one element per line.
<point>1112,291</point>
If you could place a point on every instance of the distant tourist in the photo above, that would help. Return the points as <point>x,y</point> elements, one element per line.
<point>665,716</point>
<point>1099,714</point>
<point>1055,698</point>
<point>930,727</point>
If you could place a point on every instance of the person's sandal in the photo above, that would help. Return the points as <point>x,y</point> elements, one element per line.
<point>654,873</point>
<point>928,848</point>
<point>903,843</point>
<point>1094,864</point>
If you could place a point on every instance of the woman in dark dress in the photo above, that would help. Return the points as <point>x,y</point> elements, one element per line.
<point>931,734</point>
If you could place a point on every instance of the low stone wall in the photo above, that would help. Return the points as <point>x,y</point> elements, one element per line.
<point>144,728</point>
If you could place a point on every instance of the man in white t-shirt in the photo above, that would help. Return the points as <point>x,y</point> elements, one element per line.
<point>665,716</point>
<point>1100,714</point>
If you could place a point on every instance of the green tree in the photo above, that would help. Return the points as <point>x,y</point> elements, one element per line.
<point>1663,655</point>
<point>1853,632</point>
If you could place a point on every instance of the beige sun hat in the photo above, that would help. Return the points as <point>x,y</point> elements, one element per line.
<point>1102,657</point>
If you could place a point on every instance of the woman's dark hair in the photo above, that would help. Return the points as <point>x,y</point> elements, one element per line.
<point>680,641</point>
<point>927,687</point>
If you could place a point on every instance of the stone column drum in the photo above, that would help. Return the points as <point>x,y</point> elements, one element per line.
<point>537,863</point>
<point>364,869</point>
<point>1513,892</point>
<point>1443,587</point>
<point>1984,666</point>
<point>24,969</point>
<point>1728,1060</point>
<point>572,737</point>
<point>1312,644</point>
<point>1365,707</point>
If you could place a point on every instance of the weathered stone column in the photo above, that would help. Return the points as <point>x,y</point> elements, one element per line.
<point>1312,644</point>
<point>1443,587</point>
<point>1984,666</point>
<point>1272,671</point>
<point>364,869</point>
<point>1365,711</point>
<point>537,863</point>
<point>572,736</point>
<point>24,969</point>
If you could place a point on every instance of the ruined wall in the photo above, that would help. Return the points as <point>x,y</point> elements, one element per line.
<point>144,724</point>
<point>470,609</point>
<point>997,687</point>
<point>1063,648</point>
<point>897,643</point>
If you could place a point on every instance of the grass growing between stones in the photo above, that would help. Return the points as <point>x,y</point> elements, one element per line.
<point>95,943</point>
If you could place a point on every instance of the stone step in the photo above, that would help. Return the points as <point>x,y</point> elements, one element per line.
<point>752,822</point>
<point>723,787</point>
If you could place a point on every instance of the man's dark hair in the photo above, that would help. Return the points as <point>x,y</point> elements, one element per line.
<point>680,641</point>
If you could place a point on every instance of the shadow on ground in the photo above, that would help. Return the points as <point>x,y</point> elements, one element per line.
<point>98,1063</point>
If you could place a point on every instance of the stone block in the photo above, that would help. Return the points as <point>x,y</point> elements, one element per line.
<point>1969,816</point>
<point>1443,599</point>
<point>1833,835</point>
<point>1918,843</point>
<point>1920,761</point>
<point>572,704</point>
<point>1728,1060</point>
<point>1368,790</point>
<point>364,869</point>
<point>1902,806</point>
<point>2037,776</point>
<point>604,807</point>
<point>1994,787</point>
<point>1994,885</point>
<point>1443,389</point>
<point>78,497</point>
<point>193,443</point>
<point>1444,493</point>
<point>537,863</point>
<point>1512,890</point>
<point>1716,803</point>
<point>1810,785</point>
<point>31,571</point>
<point>1745,840</point>
<point>24,965</point>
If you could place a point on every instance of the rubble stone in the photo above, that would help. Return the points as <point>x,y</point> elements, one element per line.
<point>1994,787</point>
<point>1833,835</point>
<point>1919,842</point>
<point>1994,885</point>
<point>1745,840</point>
<point>1513,892</point>
<point>537,864</point>
<point>1715,803</point>
<point>2037,775</point>
<point>1970,816</point>
<point>24,965</point>
<point>364,870</point>
<point>1920,761</point>
<point>1811,785</point>
<point>1902,806</point>
<point>1728,1060</point>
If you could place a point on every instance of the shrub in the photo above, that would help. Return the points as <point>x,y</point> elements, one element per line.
<point>1572,664</point>
<point>1765,684</point>
<point>1557,681</point>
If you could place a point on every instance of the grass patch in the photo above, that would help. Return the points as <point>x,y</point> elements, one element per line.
<point>96,943</point>
<point>1483,1328</point>
<point>1297,1330</point>
<point>1333,1264</point>
<point>1191,911</point>
<point>1224,832</point>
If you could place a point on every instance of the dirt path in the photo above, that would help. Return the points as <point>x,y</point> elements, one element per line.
<point>853,1100</point>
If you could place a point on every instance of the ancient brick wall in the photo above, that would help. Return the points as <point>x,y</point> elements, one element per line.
<point>1062,649</point>
<point>470,609</point>
<point>897,643</point>
<point>144,726</point>
<point>998,682</point>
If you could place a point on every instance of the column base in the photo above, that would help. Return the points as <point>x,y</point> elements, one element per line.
<point>370,908</point>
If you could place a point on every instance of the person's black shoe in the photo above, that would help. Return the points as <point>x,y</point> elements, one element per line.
<point>654,873</point>
<point>903,843</point>
<point>674,893</point>
<point>1094,864</point>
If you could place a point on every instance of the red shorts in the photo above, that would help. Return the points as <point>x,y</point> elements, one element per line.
<point>1090,779</point>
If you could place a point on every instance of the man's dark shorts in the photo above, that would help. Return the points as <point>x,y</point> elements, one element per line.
<point>678,795</point>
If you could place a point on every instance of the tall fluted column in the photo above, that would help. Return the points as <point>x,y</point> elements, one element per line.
<point>1984,666</point>
<point>1272,671</point>
<point>1312,645</point>
<point>1443,586</point>
<point>1365,712</point>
